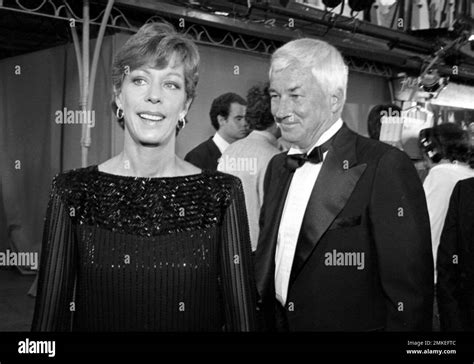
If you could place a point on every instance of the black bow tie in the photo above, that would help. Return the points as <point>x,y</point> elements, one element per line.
<point>294,161</point>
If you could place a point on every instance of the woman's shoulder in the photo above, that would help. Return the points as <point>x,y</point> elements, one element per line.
<point>72,179</point>
<point>225,187</point>
<point>75,173</point>
<point>226,180</point>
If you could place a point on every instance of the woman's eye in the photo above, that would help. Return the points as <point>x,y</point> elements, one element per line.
<point>273,96</point>
<point>172,85</point>
<point>139,81</point>
<point>295,96</point>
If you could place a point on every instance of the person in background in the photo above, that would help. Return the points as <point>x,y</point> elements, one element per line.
<point>374,120</point>
<point>228,118</point>
<point>146,241</point>
<point>445,148</point>
<point>455,288</point>
<point>248,158</point>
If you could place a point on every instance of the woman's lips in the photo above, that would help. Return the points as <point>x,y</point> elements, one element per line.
<point>154,117</point>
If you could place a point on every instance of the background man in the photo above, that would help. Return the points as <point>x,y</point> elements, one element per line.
<point>228,118</point>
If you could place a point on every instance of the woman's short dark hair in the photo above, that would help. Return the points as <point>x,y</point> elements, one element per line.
<point>221,106</point>
<point>156,44</point>
<point>447,141</point>
<point>259,115</point>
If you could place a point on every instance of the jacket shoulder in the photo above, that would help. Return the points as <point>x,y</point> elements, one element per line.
<point>202,148</point>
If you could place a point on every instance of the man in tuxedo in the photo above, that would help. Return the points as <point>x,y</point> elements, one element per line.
<point>344,239</point>
<point>228,118</point>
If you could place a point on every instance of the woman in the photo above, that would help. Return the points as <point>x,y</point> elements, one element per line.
<point>146,241</point>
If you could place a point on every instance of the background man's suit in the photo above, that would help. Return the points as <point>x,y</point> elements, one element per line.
<point>205,155</point>
<point>367,199</point>
<point>456,277</point>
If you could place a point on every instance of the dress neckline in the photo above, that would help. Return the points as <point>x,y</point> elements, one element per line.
<point>95,168</point>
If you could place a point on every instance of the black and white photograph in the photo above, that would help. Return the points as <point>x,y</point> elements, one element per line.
<point>237,175</point>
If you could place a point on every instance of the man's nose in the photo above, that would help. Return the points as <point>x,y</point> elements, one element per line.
<point>282,110</point>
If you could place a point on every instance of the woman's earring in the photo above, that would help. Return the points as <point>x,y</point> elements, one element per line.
<point>119,113</point>
<point>181,122</point>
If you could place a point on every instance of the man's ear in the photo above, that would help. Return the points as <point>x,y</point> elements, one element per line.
<point>221,120</point>
<point>337,100</point>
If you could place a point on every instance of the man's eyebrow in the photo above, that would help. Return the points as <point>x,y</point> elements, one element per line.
<point>295,88</point>
<point>291,89</point>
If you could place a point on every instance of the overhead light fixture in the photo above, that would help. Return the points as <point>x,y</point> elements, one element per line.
<point>359,5</point>
<point>283,3</point>
<point>464,28</point>
<point>332,3</point>
<point>432,82</point>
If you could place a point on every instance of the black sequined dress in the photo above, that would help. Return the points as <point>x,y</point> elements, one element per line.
<point>145,254</point>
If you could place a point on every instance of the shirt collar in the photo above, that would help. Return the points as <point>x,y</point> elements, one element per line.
<point>328,134</point>
<point>221,143</point>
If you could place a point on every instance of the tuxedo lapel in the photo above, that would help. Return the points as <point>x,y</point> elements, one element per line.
<point>275,198</point>
<point>337,179</point>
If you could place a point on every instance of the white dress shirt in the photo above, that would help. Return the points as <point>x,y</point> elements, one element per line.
<point>221,143</point>
<point>296,202</point>
<point>439,185</point>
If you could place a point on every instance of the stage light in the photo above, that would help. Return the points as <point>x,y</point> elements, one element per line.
<point>359,5</point>
<point>432,82</point>
<point>332,3</point>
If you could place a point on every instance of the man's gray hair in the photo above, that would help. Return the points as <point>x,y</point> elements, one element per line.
<point>324,61</point>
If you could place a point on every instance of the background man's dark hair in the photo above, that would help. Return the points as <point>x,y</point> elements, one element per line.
<point>221,106</point>
<point>259,114</point>
<point>374,123</point>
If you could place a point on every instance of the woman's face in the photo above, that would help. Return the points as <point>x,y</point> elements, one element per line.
<point>153,100</point>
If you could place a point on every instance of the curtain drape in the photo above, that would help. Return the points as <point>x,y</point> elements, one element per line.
<point>36,91</point>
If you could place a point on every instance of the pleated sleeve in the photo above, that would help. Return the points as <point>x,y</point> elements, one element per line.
<point>54,305</point>
<point>237,270</point>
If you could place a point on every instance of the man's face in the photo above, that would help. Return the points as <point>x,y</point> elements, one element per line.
<point>300,106</point>
<point>235,127</point>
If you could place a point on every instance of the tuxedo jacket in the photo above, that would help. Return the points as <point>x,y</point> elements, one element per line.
<point>205,155</point>
<point>455,291</point>
<point>367,199</point>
